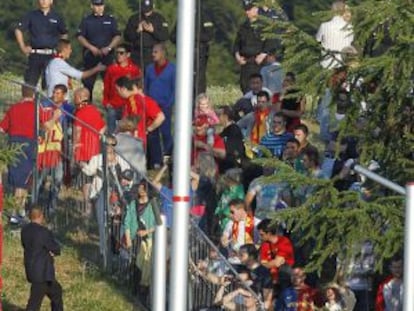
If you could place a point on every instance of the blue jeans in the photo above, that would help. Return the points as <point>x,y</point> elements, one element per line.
<point>112,116</point>
<point>56,175</point>
<point>154,149</point>
<point>323,115</point>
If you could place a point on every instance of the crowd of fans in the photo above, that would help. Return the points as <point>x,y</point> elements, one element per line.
<point>232,198</point>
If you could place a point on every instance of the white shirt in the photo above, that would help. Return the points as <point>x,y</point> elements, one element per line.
<point>94,165</point>
<point>253,97</point>
<point>58,71</point>
<point>334,36</point>
<point>241,234</point>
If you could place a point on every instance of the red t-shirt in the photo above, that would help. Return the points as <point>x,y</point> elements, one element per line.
<point>309,297</point>
<point>283,248</point>
<point>218,144</point>
<point>19,120</point>
<point>146,109</point>
<point>89,139</point>
<point>113,73</point>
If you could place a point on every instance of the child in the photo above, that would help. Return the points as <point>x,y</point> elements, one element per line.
<point>203,107</point>
<point>333,299</point>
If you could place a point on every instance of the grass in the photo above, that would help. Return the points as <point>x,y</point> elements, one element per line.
<point>85,286</point>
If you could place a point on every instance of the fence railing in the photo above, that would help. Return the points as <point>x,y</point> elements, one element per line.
<point>131,264</point>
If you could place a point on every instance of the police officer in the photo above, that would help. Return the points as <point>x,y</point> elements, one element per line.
<point>45,28</point>
<point>204,34</point>
<point>98,34</point>
<point>145,29</point>
<point>250,49</point>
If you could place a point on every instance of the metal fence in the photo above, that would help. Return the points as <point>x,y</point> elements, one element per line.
<point>126,265</point>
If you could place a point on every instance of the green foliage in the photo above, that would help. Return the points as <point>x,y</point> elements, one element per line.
<point>8,153</point>
<point>84,286</point>
<point>223,95</point>
<point>337,222</point>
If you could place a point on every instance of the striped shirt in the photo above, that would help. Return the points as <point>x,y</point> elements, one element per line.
<point>334,35</point>
<point>276,142</point>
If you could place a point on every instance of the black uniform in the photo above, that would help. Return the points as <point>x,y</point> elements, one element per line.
<point>99,31</point>
<point>235,151</point>
<point>45,32</point>
<point>147,39</point>
<point>38,243</point>
<point>204,34</point>
<point>249,43</point>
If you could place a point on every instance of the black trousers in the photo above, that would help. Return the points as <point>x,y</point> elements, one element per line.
<point>200,79</point>
<point>146,57</point>
<point>36,68</point>
<point>246,71</point>
<point>38,291</point>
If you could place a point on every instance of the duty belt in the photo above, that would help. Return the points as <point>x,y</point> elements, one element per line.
<point>43,51</point>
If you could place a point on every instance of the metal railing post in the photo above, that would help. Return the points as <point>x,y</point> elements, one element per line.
<point>35,173</point>
<point>159,267</point>
<point>408,303</point>
<point>379,179</point>
<point>182,152</point>
<point>106,229</point>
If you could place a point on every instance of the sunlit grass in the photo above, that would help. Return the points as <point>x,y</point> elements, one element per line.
<point>85,286</point>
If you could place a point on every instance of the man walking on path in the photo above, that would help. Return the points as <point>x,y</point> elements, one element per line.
<point>40,248</point>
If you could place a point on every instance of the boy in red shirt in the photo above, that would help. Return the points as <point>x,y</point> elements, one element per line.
<point>147,112</point>
<point>112,101</point>
<point>275,250</point>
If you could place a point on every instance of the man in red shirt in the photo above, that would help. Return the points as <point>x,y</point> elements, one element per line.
<point>308,297</point>
<point>205,140</point>
<point>275,250</point>
<point>123,67</point>
<point>18,123</point>
<point>87,127</point>
<point>146,111</point>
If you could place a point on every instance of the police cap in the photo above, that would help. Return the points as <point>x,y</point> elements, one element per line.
<point>97,2</point>
<point>147,5</point>
<point>248,4</point>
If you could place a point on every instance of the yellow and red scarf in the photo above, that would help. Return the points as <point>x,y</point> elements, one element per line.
<point>259,127</point>
<point>248,230</point>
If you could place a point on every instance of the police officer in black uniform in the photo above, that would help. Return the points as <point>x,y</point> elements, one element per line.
<point>98,34</point>
<point>145,29</point>
<point>45,28</point>
<point>250,49</point>
<point>204,34</point>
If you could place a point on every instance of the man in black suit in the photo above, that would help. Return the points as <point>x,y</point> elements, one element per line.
<point>39,249</point>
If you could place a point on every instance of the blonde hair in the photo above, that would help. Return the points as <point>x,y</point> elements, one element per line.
<point>202,96</point>
<point>207,165</point>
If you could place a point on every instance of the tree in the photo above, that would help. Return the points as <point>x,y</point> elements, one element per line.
<point>381,75</point>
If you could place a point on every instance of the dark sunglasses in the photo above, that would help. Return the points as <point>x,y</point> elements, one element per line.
<point>121,52</point>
